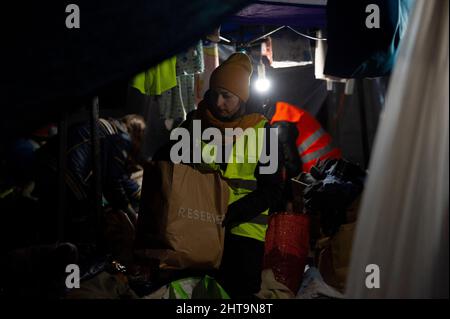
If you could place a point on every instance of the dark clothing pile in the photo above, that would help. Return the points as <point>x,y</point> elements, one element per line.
<point>333,186</point>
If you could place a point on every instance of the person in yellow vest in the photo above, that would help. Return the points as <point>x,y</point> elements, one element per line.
<point>252,193</point>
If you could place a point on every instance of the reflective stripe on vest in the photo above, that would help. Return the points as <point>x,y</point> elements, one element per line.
<point>177,291</point>
<point>261,219</point>
<point>313,146</point>
<point>310,140</point>
<point>242,181</point>
<point>317,154</point>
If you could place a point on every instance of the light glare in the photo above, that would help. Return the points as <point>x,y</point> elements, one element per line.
<point>262,85</point>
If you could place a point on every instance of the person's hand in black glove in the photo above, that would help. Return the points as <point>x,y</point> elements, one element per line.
<point>231,218</point>
<point>322,168</point>
<point>236,215</point>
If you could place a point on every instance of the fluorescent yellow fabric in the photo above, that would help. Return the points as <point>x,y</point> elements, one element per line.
<point>158,79</point>
<point>239,168</point>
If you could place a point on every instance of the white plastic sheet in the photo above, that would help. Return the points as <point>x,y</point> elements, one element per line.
<point>403,222</point>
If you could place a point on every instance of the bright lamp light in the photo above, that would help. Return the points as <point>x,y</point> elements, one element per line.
<point>262,85</point>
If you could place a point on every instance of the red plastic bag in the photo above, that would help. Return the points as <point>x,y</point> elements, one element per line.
<point>287,248</point>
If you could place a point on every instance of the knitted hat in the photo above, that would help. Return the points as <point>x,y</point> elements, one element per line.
<point>233,75</point>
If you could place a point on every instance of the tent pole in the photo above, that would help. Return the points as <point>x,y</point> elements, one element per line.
<point>363,121</point>
<point>266,35</point>
<point>96,167</point>
<point>62,167</point>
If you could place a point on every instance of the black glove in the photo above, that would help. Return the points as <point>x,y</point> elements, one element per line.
<point>319,171</point>
<point>236,216</point>
<point>231,218</point>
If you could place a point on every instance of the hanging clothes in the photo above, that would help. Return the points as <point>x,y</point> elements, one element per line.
<point>171,102</point>
<point>158,79</point>
<point>156,134</point>
<point>319,61</point>
<point>191,60</point>
<point>169,95</point>
<point>266,49</point>
<point>211,62</point>
<point>180,100</point>
<point>288,48</point>
<point>402,229</point>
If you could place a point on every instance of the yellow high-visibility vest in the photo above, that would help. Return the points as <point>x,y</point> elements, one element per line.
<point>240,174</point>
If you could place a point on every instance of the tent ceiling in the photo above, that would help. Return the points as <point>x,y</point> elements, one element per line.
<point>306,2</point>
<point>302,14</point>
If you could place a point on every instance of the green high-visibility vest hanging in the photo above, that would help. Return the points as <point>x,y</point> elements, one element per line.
<point>157,79</point>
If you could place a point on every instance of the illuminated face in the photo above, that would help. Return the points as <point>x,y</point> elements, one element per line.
<point>224,103</point>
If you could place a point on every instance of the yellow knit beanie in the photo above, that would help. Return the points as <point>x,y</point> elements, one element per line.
<point>233,75</point>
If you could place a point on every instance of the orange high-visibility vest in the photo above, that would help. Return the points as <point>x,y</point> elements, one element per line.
<point>313,143</point>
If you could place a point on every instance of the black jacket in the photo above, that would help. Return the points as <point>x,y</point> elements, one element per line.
<point>287,136</point>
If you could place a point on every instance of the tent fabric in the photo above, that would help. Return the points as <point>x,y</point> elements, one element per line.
<point>295,15</point>
<point>403,219</point>
<point>45,65</point>
<point>304,2</point>
<point>356,51</point>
